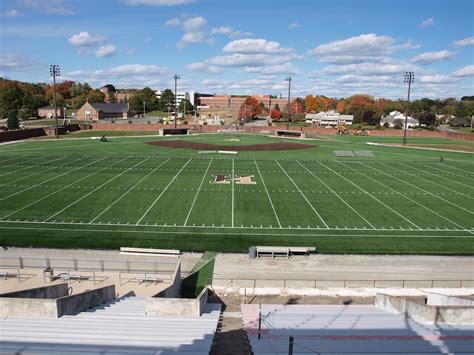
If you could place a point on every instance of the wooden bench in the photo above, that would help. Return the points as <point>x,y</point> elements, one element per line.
<point>283,251</point>
<point>148,251</point>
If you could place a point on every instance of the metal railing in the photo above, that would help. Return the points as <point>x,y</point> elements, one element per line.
<point>344,283</point>
<point>84,264</point>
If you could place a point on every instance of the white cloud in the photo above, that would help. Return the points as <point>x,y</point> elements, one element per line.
<point>294,25</point>
<point>50,7</point>
<point>15,62</point>
<point>468,70</point>
<point>351,78</point>
<point>431,57</point>
<point>85,39</point>
<point>203,67</point>
<point>464,42</point>
<point>193,32</point>
<point>159,2</point>
<point>251,60</point>
<point>435,79</point>
<point>250,45</point>
<point>382,68</point>
<point>106,51</point>
<point>286,68</point>
<point>134,69</point>
<point>147,39</point>
<point>228,31</point>
<point>427,23</point>
<point>173,22</point>
<point>365,47</point>
<point>12,13</point>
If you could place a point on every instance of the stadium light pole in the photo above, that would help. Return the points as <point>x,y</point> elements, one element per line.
<point>55,71</point>
<point>289,95</point>
<point>176,77</point>
<point>409,78</point>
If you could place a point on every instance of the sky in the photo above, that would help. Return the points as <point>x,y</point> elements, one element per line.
<point>332,48</point>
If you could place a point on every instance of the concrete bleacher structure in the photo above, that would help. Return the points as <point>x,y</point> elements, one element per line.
<point>344,329</point>
<point>118,326</point>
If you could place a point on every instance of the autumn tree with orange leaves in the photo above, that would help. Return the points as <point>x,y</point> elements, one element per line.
<point>250,108</point>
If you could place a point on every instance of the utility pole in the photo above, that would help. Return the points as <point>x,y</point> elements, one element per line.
<point>176,77</point>
<point>289,95</point>
<point>55,71</point>
<point>409,78</point>
<point>144,106</point>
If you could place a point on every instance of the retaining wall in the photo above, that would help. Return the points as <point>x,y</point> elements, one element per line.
<point>416,309</point>
<point>174,289</point>
<point>10,136</point>
<point>46,292</point>
<point>192,307</point>
<point>436,299</point>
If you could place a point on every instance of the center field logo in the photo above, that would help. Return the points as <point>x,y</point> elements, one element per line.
<point>226,179</point>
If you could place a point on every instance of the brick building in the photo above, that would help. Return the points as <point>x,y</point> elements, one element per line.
<point>48,112</point>
<point>98,111</point>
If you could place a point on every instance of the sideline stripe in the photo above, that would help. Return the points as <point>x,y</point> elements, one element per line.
<point>268,195</point>
<point>309,171</point>
<point>442,177</point>
<point>40,183</point>
<point>375,198</point>
<point>418,203</point>
<point>162,192</point>
<point>97,188</point>
<point>309,203</point>
<point>129,189</point>
<point>419,188</point>
<point>65,187</point>
<point>28,167</point>
<point>197,193</point>
<point>237,233</point>
<point>448,172</point>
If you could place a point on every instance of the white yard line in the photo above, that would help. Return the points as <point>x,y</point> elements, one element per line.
<point>329,188</point>
<point>232,181</point>
<point>375,198</point>
<point>302,194</point>
<point>65,187</point>
<point>452,167</point>
<point>419,188</point>
<point>142,231</point>
<point>162,192</point>
<point>40,183</point>
<point>97,188</point>
<point>28,167</point>
<point>438,176</point>
<point>129,189</point>
<point>197,193</point>
<point>447,172</point>
<point>16,163</point>
<point>393,177</point>
<point>7,160</point>
<point>268,194</point>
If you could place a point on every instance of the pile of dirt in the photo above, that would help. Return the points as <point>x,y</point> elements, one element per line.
<point>253,147</point>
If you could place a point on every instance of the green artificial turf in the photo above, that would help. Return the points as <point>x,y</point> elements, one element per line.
<point>87,194</point>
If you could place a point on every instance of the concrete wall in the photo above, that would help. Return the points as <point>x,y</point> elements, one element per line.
<point>53,308</point>
<point>46,292</point>
<point>75,304</point>
<point>416,309</point>
<point>174,290</point>
<point>10,136</point>
<point>177,306</point>
<point>436,299</point>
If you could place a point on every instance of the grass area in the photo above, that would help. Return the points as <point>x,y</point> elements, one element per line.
<point>200,277</point>
<point>158,113</point>
<point>463,129</point>
<point>98,133</point>
<point>88,194</point>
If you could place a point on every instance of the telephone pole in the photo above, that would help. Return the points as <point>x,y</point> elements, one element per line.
<point>289,95</point>
<point>409,78</point>
<point>176,77</point>
<point>55,71</point>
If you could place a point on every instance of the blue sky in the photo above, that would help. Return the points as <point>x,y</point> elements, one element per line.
<point>333,48</point>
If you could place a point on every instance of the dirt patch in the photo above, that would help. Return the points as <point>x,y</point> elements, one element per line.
<point>253,147</point>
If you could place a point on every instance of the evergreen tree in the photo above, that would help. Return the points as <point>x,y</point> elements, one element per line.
<point>12,120</point>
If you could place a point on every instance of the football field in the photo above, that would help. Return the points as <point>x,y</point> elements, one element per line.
<point>83,193</point>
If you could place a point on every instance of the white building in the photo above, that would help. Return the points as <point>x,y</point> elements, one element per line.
<point>397,115</point>
<point>181,95</point>
<point>328,119</point>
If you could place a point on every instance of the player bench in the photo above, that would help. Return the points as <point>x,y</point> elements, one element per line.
<point>283,251</point>
<point>289,134</point>
<point>150,251</point>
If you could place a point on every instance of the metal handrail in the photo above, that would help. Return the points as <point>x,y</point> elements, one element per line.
<point>345,282</point>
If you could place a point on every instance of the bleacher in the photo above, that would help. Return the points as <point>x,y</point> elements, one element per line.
<point>348,329</point>
<point>120,326</point>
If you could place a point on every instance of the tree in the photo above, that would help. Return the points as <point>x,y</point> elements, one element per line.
<point>398,124</point>
<point>296,108</point>
<point>136,103</point>
<point>12,120</point>
<point>10,97</point>
<point>185,105</point>
<point>95,96</point>
<point>111,97</point>
<point>426,118</point>
<point>166,100</point>
<point>275,114</point>
<point>250,108</point>
<point>148,96</point>
<point>277,107</point>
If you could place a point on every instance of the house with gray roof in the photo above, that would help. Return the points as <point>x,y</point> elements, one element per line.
<point>98,111</point>
<point>397,115</point>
